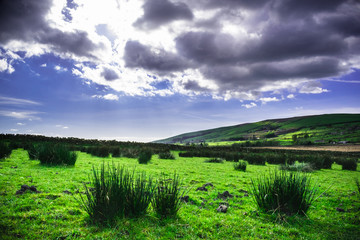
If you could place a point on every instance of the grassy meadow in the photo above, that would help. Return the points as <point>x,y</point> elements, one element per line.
<point>55,212</point>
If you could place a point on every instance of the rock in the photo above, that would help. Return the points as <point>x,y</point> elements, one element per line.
<point>340,209</point>
<point>185,198</point>
<point>225,195</point>
<point>67,192</point>
<point>243,191</point>
<point>222,208</point>
<point>208,184</point>
<point>14,167</point>
<point>201,189</point>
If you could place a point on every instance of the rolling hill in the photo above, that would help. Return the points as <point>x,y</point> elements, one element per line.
<point>323,129</point>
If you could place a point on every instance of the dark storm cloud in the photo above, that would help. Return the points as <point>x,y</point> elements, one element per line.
<point>109,74</point>
<point>259,74</point>
<point>194,86</point>
<point>138,55</point>
<point>25,20</point>
<point>159,12</point>
<point>207,47</point>
<point>209,4</point>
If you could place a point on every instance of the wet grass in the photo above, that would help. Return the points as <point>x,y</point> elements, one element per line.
<point>55,214</point>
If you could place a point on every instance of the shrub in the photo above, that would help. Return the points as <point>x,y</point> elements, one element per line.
<point>116,193</point>
<point>5,151</point>
<point>349,164</point>
<point>283,192</point>
<point>115,152</point>
<point>240,166</point>
<point>145,157</point>
<point>167,197</point>
<point>166,155</point>
<point>55,154</point>
<point>32,151</point>
<point>256,159</point>
<point>300,167</point>
<point>215,160</point>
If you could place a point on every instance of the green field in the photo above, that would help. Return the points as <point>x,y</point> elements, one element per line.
<point>53,214</point>
<point>317,129</point>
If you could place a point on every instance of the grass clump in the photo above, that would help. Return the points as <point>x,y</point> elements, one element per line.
<point>357,182</point>
<point>55,154</point>
<point>145,157</point>
<point>116,193</point>
<point>215,160</point>
<point>167,197</point>
<point>299,167</point>
<point>240,166</point>
<point>283,192</point>
<point>166,155</point>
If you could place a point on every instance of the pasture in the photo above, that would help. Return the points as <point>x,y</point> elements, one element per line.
<point>55,212</point>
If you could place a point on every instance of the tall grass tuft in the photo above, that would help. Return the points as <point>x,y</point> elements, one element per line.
<point>357,182</point>
<point>215,160</point>
<point>283,192</point>
<point>139,191</point>
<point>240,166</point>
<point>116,193</point>
<point>55,154</point>
<point>167,197</point>
<point>145,157</point>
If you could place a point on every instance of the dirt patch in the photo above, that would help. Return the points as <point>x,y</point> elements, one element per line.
<point>334,148</point>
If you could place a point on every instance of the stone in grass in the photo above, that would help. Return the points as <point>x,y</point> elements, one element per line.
<point>208,184</point>
<point>340,209</point>
<point>201,189</point>
<point>225,195</point>
<point>25,188</point>
<point>222,208</point>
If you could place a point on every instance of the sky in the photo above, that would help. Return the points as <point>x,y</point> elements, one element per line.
<point>143,70</point>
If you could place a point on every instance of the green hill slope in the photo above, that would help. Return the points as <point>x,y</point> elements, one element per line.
<point>317,129</point>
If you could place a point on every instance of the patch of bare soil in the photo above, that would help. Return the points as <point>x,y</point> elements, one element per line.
<point>335,148</point>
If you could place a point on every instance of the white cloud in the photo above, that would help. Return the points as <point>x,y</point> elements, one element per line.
<point>290,96</point>
<point>269,99</point>
<point>43,65</point>
<point>14,130</point>
<point>17,101</point>
<point>6,66</point>
<point>60,69</point>
<point>110,97</point>
<point>31,115</point>
<point>250,105</point>
<point>20,124</point>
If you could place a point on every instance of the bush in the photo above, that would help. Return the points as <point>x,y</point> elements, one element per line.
<point>167,197</point>
<point>116,193</point>
<point>166,155</point>
<point>256,159</point>
<point>300,167</point>
<point>145,157</point>
<point>215,160</point>
<point>115,152</point>
<point>283,192</point>
<point>349,164</point>
<point>32,151</point>
<point>240,166</point>
<point>55,154</point>
<point>5,151</point>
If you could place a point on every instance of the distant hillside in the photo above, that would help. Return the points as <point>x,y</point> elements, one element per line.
<point>317,129</point>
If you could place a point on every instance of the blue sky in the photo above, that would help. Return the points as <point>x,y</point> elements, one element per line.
<point>146,70</point>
